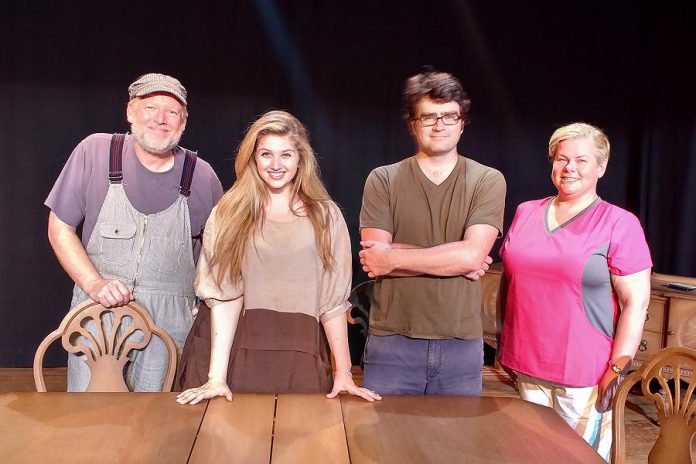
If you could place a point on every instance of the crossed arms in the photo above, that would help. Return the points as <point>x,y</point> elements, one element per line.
<point>467,257</point>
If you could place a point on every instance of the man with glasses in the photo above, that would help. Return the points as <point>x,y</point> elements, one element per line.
<point>427,225</point>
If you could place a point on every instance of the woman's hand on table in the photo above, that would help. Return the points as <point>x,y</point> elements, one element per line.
<point>343,381</point>
<point>211,389</point>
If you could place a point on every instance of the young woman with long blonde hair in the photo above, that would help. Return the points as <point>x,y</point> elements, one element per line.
<point>276,272</point>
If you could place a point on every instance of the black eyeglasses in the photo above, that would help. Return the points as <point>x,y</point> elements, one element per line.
<point>449,119</point>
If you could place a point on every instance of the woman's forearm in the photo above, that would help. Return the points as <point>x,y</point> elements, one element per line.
<point>336,329</point>
<point>633,292</point>
<point>223,325</point>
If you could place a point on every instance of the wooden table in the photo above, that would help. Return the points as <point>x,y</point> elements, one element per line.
<point>284,428</point>
<point>416,429</point>
<point>308,428</point>
<point>96,428</point>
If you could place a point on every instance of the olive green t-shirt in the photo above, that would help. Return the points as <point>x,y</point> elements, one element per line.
<point>400,199</point>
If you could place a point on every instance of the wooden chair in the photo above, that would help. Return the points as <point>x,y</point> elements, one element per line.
<point>106,337</point>
<point>360,300</point>
<point>666,380</point>
<point>358,315</point>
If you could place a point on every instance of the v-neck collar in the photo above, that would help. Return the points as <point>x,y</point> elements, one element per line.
<point>561,226</point>
<point>425,181</point>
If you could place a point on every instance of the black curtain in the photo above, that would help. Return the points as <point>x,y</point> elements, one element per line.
<point>339,66</point>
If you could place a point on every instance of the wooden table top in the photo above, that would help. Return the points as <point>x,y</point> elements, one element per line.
<point>309,429</point>
<point>96,427</point>
<point>419,429</point>
<point>242,428</point>
<point>284,428</point>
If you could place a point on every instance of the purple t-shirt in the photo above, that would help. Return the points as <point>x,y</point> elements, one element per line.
<point>561,310</point>
<point>79,192</point>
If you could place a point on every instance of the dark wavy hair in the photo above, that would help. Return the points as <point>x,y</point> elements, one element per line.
<point>440,87</point>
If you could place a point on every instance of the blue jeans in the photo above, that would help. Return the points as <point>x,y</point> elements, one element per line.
<point>395,364</point>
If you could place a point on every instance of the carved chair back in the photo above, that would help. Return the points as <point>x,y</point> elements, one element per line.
<point>668,379</point>
<point>360,300</point>
<point>106,337</point>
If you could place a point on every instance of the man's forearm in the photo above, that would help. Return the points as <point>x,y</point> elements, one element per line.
<point>467,257</point>
<point>448,259</point>
<point>404,272</point>
<point>71,253</point>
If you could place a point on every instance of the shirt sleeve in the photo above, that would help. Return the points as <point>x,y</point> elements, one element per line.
<point>374,212</point>
<point>488,205</point>
<point>205,286</point>
<point>208,191</point>
<point>68,199</point>
<point>628,251</point>
<point>335,284</point>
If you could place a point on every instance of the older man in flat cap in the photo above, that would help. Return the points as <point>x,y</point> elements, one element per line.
<point>142,201</point>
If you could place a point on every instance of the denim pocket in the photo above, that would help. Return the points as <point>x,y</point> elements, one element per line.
<point>117,240</point>
<point>164,254</point>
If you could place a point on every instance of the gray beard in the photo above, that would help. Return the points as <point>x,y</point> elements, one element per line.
<point>152,147</point>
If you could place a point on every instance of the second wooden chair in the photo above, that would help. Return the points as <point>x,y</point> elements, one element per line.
<point>668,380</point>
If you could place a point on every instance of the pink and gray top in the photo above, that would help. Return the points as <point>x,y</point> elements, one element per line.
<point>561,310</point>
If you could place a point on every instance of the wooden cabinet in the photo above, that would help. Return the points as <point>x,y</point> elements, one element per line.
<point>680,310</point>
<point>653,330</point>
<point>489,291</point>
<point>670,319</point>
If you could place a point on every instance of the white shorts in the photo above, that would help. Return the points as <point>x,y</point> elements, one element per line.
<point>576,405</point>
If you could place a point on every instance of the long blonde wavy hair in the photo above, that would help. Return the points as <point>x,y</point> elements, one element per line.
<point>241,210</point>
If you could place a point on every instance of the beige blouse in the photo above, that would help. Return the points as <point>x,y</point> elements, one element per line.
<point>282,270</point>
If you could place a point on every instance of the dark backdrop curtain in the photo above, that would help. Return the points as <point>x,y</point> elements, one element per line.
<point>339,66</point>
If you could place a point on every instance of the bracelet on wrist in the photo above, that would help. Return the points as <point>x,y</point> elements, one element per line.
<point>344,372</point>
<point>620,365</point>
<point>615,368</point>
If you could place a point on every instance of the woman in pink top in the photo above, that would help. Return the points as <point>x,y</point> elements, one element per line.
<point>575,288</point>
<point>275,270</point>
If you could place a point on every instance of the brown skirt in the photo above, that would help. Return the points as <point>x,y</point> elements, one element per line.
<point>272,352</point>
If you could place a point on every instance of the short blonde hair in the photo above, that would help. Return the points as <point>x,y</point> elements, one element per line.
<point>578,130</point>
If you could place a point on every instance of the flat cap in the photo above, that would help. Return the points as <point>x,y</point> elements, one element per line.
<point>155,82</point>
